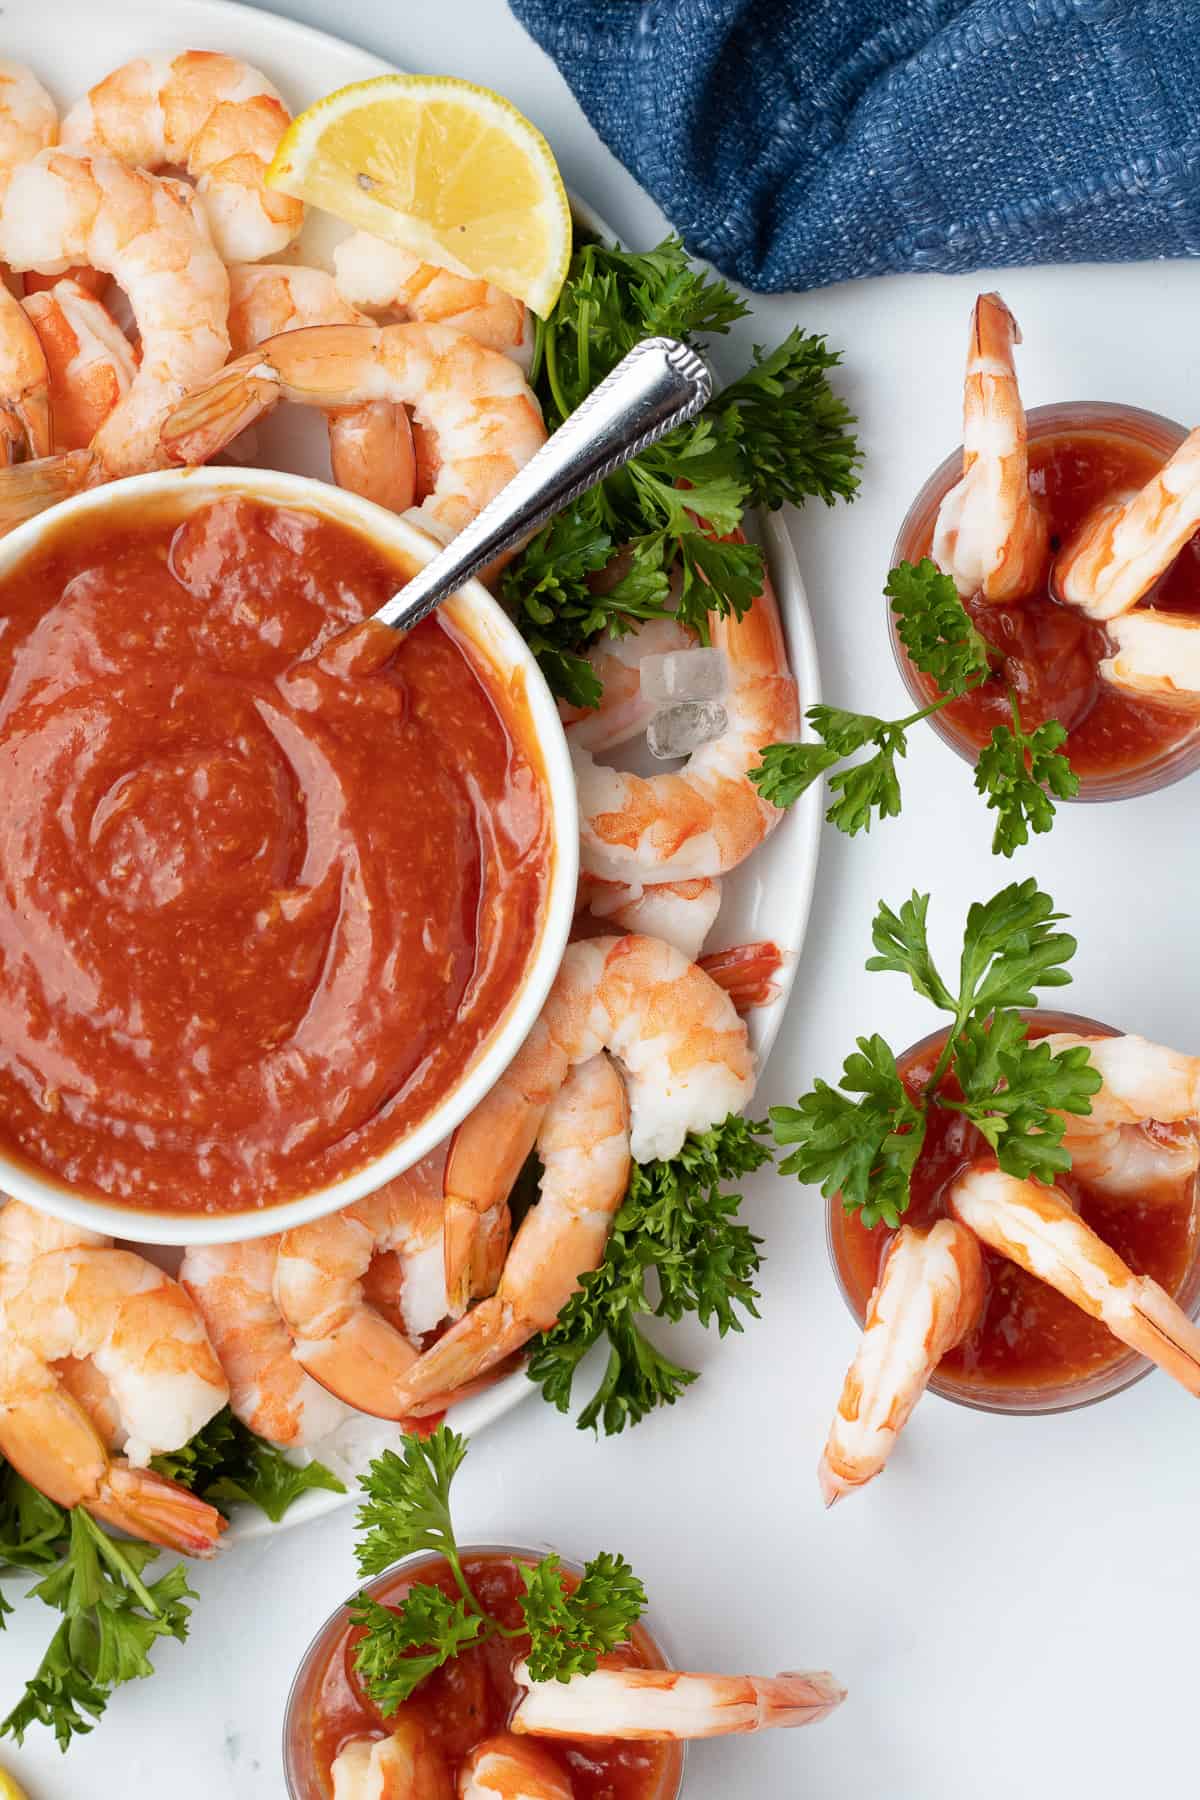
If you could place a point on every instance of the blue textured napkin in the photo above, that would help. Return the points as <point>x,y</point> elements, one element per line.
<point>797,142</point>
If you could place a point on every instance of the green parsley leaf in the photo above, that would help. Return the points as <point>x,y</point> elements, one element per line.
<point>33,1530</point>
<point>403,1645</point>
<point>570,1629</point>
<point>786,771</point>
<point>226,1463</point>
<point>679,1223</point>
<point>1010,949</point>
<point>795,432</point>
<point>408,1501</point>
<point>1015,1092</point>
<point>902,945</point>
<point>935,628</point>
<point>1018,771</point>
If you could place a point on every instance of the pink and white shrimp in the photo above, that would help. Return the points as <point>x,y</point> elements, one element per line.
<point>90,362</point>
<point>616,661</point>
<point>143,1336</point>
<point>681,913</point>
<point>1038,1229</point>
<point>69,207</point>
<point>929,1294</point>
<point>631,1703</point>
<point>26,418</point>
<point>378,277</point>
<point>708,817</point>
<point>1155,656</point>
<point>681,1046</point>
<point>474,401</point>
<point>583,1145</point>
<point>505,1767</point>
<point>1138,1081</point>
<point>1123,546</point>
<point>405,1765</point>
<point>370,447</point>
<point>343,1341</point>
<point>212,115</point>
<point>28,118</point>
<point>991,535</point>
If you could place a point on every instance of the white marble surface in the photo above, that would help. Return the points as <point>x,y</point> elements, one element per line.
<point>1008,1604</point>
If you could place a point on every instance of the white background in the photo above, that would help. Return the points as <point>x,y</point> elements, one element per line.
<point>1011,1604</point>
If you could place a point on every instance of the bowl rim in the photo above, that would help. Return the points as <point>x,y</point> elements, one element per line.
<point>497,639</point>
<point>533,1552</point>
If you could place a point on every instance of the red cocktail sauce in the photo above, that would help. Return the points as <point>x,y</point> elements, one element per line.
<point>1050,654</point>
<point>1029,1335</point>
<point>257,913</point>
<point>473,1697</point>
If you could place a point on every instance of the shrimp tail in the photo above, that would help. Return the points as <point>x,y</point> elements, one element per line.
<point>639,1704</point>
<point>745,972</point>
<point>213,414</point>
<point>150,1507</point>
<point>29,488</point>
<point>794,1698</point>
<point>484,1337</point>
<point>1162,1331</point>
<point>26,428</point>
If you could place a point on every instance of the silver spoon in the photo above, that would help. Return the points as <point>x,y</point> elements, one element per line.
<point>660,384</point>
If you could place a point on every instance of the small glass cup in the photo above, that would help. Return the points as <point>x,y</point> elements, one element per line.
<point>1040,1397</point>
<point>304,1778</point>
<point>1150,431</point>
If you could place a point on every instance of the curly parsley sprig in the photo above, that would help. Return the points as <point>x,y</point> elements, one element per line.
<point>677,1224</point>
<point>408,1509</point>
<point>863,1137</point>
<point>654,538</point>
<point>1018,772</point>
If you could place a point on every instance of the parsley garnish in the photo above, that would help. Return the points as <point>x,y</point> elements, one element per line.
<point>679,1223</point>
<point>862,1138</point>
<point>408,1509</point>
<point>660,527</point>
<point>226,1462</point>
<point>112,1616</point>
<point>936,631</point>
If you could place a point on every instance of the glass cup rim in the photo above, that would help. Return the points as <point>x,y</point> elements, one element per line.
<point>1124,1372</point>
<point>1173,764</point>
<point>536,1552</point>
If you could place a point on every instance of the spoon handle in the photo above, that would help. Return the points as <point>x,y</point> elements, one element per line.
<point>659,385</point>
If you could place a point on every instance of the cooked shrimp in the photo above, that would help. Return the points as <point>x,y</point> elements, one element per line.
<point>144,1337</point>
<point>583,1145</point>
<point>991,535</point>
<point>1157,655</point>
<point>665,1703</point>
<point>505,1767</point>
<point>708,817</point>
<point>1038,1229</point>
<point>214,116</point>
<point>383,278</point>
<point>623,712</point>
<point>746,972</point>
<point>405,1766</point>
<point>1145,1162</point>
<point>341,1340</point>
<point>232,1285</point>
<point>370,447</point>
<point>1123,546</point>
<point>681,1046</point>
<point>69,207</point>
<point>681,913</point>
<point>26,430</point>
<point>929,1294</point>
<point>25,1233</point>
<point>28,118</point>
<point>1139,1081</point>
<point>90,362</point>
<point>476,401</point>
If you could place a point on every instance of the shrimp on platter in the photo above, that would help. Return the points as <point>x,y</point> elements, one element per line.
<point>930,1293</point>
<point>991,536</point>
<point>1038,1228</point>
<point>681,913</point>
<point>406,1765</point>
<point>583,1145</point>
<point>28,118</point>
<point>1123,546</point>
<point>67,207</point>
<point>212,115</point>
<point>339,1337</point>
<point>475,402</point>
<point>371,446</point>
<point>143,1337</point>
<point>26,417</point>
<point>668,1703</point>
<point>1155,655</point>
<point>378,277</point>
<point>90,362</point>
<point>505,1767</point>
<point>705,819</point>
<point>269,1390</point>
<point>682,1049</point>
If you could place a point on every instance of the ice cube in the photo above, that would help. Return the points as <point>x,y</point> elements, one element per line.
<point>696,674</point>
<point>678,730</point>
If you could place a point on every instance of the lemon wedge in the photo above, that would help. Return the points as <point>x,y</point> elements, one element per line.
<point>451,172</point>
<point>10,1789</point>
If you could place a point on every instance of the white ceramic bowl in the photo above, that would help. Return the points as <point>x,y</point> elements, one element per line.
<point>485,622</point>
